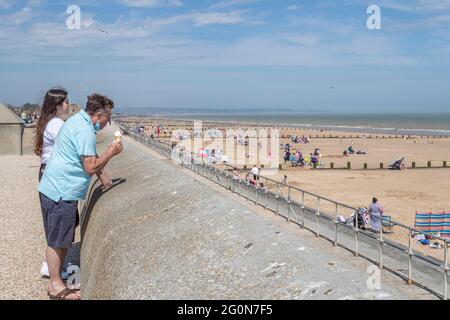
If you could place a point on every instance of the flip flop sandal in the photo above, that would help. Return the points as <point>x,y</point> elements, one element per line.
<point>62,295</point>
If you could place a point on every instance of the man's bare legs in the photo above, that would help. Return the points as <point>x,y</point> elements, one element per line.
<point>55,260</point>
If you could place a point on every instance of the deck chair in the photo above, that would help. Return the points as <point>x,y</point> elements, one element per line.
<point>433,223</point>
<point>387,225</point>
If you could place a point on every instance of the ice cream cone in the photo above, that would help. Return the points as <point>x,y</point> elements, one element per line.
<point>118,137</point>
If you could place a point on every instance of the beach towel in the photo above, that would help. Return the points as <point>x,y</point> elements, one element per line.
<point>433,223</point>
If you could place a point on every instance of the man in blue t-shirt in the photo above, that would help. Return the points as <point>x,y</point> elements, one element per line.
<point>66,180</point>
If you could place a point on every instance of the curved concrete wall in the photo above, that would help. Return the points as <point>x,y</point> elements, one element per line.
<point>11,135</point>
<point>164,235</point>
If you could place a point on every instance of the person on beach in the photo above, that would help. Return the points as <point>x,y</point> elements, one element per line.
<point>287,147</point>
<point>286,156</point>
<point>292,159</point>
<point>376,215</point>
<point>55,106</point>
<point>299,159</point>
<point>314,160</point>
<point>66,180</point>
<point>247,179</point>
<point>255,172</point>
<point>236,176</point>
<point>317,152</point>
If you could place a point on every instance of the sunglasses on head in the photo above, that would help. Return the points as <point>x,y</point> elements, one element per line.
<point>60,89</point>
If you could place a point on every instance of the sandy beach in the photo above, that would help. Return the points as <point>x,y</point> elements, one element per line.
<point>401,193</point>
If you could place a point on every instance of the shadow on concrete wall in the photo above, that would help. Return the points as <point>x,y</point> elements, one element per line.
<point>96,192</point>
<point>73,255</point>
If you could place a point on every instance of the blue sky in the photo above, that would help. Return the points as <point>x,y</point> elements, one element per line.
<point>231,53</point>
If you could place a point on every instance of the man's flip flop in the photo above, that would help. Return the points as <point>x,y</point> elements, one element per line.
<point>62,295</point>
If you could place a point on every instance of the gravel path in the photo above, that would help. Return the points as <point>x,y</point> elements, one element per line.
<point>22,244</point>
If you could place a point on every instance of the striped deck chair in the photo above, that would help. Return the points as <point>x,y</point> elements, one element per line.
<point>433,223</point>
<point>445,233</point>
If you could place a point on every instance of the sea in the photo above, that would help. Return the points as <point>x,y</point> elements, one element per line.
<point>426,124</point>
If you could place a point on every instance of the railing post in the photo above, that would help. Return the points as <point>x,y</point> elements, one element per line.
<point>380,248</point>
<point>289,203</point>
<point>336,225</point>
<point>219,177</point>
<point>445,270</point>
<point>256,191</point>
<point>228,182</point>
<point>303,209</point>
<point>277,198</point>
<point>219,180</point>
<point>266,196</point>
<point>318,217</point>
<point>356,234</point>
<point>410,254</point>
<point>266,191</point>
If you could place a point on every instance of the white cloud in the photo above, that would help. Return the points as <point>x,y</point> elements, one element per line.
<point>434,5</point>
<point>417,6</point>
<point>6,4</point>
<point>36,3</point>
<point>17,18</point>
<point>231,3</point>
<point>203,18</point>
<point>135,40</point>
<point>151,3</point>
<point>170,20</point>
<point>293,8</point>
<point>233,17</point>
<point>309,40</point>
<point>439,19</point>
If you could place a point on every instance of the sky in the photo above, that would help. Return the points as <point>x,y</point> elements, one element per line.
<point>303,55</point>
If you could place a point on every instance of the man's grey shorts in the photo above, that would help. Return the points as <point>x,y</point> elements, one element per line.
<point>60,221</point>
